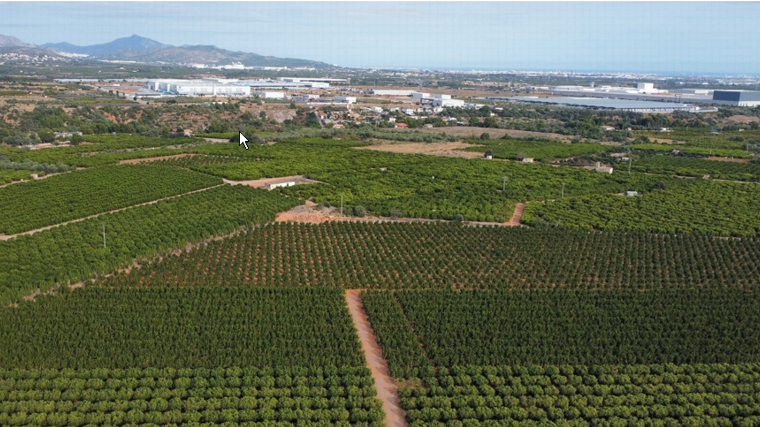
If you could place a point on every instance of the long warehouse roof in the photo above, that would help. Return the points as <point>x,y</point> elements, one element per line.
<point>618,104</point>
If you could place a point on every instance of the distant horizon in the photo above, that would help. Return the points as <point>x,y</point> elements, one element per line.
<point>709,39</point>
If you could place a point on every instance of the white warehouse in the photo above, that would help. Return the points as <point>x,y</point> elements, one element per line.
<point>441,102</point>
<point>269,95</point>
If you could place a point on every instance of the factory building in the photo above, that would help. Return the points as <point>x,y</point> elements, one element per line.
<point>741,98</point>
<point>442,102</point>
<point>269,95</point>
<point>226,87</point>
<point>348,99</point>
<point>606,104</point>
<point>392,92</point>
<point>647,92</point>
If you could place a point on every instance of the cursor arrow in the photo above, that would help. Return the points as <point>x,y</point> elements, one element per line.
<point>243,140</point>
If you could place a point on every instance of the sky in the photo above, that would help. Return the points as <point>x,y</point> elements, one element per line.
<point>667,37</point>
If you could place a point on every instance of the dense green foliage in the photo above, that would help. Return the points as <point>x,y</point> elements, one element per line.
<point>8,176</point>
<point>180,327</point>
<point>313,396</point>
<point>516,149</point>
<point>75,252</point>
<point>404,256</point>
<point>414,185</point>
<point>60,198</point>
<point>582,396</point>
<point>582,327</point>
<point>697,167</point>
<point>102,150</point>
<point>700,207</point>
<point>28,165</point>
<point>691,150</point>
<point>401,349</point>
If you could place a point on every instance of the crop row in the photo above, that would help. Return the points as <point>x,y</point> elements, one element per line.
<point>541,150</point>
<point>200,327</point>
<point>313,396</point>
<point>559,326</point>
<point>69,196</point>
<point>698,167</point>
<point>578,396</point>
<point>103,150</point>
<point>699,207</point>
<point>76,252</point>
<point>404,256</point>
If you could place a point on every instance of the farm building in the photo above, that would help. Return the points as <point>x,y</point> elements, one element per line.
<point>273,185</point>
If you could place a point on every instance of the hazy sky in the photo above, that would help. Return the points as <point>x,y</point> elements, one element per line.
<point>660,37</point>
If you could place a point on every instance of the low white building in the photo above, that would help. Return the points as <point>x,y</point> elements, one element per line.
<point>439,102</point>
<point>392,92</point>
<point>273,185</point>
<point>348,99</point>
<point>269,95</point>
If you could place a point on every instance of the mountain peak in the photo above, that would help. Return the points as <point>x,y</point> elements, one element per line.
<point>10,41</point>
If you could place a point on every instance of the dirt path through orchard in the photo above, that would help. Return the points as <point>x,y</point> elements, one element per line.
<point>515,220</point>
<point>386,387</point>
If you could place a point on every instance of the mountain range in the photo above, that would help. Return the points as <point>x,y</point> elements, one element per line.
<point>142,49</point>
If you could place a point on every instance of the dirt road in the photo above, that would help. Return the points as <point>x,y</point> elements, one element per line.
<point>515,220</point>
<point>386,387</point>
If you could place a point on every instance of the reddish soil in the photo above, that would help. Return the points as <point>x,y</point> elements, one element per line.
<point>386,387</point>
<point>728,159</point>
<point>152,159</point>
<point>515,220</point>
<point>308,214</point>
<point>446,149</point>
<point>475,132</point>
<point>742,119</point>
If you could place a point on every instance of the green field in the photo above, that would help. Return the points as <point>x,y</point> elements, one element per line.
<point>421,256</point>
<point>75,252</point>
<point>61,198</point>
<point>698,207</point>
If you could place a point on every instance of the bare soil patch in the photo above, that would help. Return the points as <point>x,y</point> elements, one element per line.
<point>387,391</point>
<point>739,118</point>
<point>311,213</point>
<point>515,220</point>
<point>447,149</point>
<point>475,132</point>
<point>153,159</point>
<point>728,159</point>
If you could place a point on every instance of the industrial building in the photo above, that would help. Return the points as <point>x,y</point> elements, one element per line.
<point>347,99</point>
<point>741,98</point>
<point>607,104</point>
<point>647,92</point>
<point>226,87</point>
<point>443,102</point>
<point>392,92</point>
<point>269,95</point>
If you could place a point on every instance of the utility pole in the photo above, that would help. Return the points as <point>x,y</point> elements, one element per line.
<point>629,165</point>
<point>563,190</point>
<point>504,185</point>
<point>104,234</point>
<point>341,205</point>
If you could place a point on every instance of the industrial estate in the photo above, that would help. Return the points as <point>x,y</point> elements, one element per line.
<point>191,236</point>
